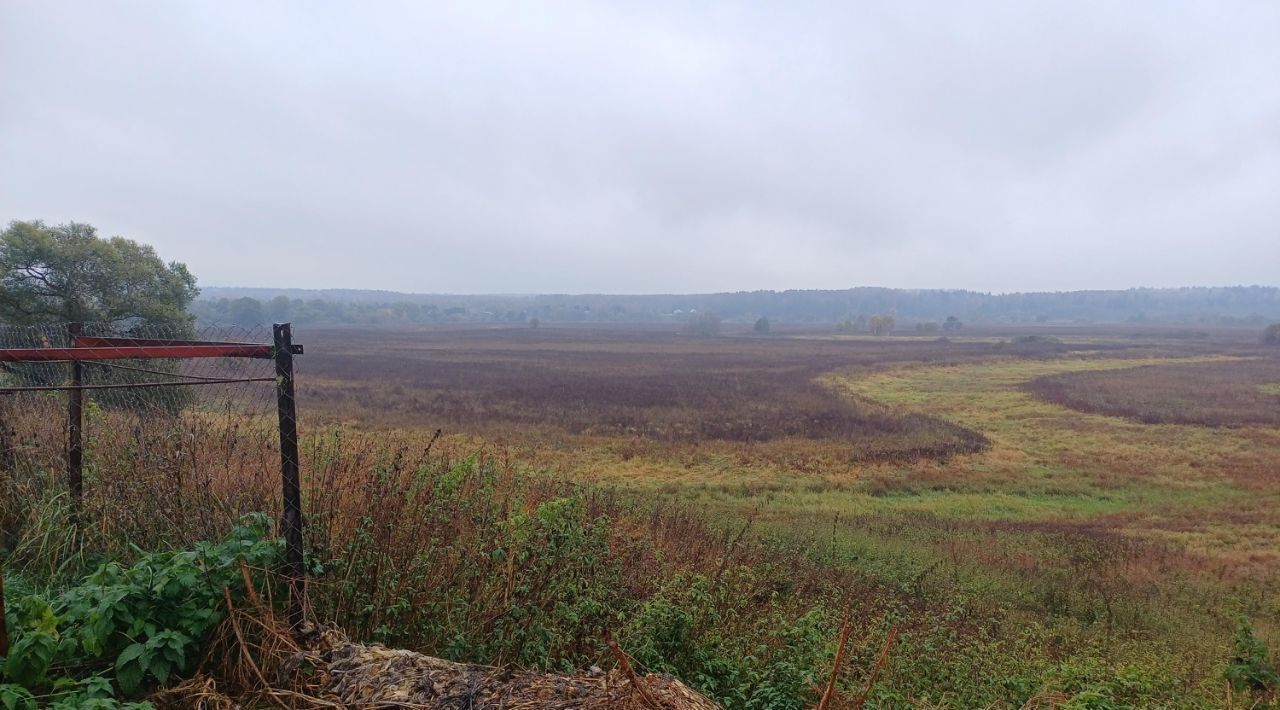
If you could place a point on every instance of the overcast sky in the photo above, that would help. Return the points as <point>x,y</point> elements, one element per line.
<point>656,147</point>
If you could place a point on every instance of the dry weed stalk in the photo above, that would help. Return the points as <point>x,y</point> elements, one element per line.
<point>875,670</point>
<point>830,692</point>
<point>630,673</point>
<point>244,648</point>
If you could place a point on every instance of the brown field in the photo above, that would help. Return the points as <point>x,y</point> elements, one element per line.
<point>645,386</point>
<point>1231,393</point>
<point>739,490</point>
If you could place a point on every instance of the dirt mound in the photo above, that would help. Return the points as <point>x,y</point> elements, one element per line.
<point>358,675</point>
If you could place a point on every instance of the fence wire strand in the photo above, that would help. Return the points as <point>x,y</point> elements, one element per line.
<point>164,461</point>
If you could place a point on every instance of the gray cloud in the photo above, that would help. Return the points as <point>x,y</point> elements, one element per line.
<point>640,147</point>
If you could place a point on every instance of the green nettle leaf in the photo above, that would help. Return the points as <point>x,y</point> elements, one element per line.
<point>129,670</point>
<point>96,686</point>
<point>29,658</point>
<point>130,653</point>
<point>16,697</point>
<point>159,668</point>
<point>95,634</point>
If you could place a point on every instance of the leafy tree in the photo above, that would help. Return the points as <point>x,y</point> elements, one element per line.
<point>1271,335</point>
<point>67,273</point>
<point>534,322</point>
<point>762,325</point>
<point>952,323</point>
<point>881,325</point>
<point>703,324</point>
<point>247,312</point>
<point>279,309</point>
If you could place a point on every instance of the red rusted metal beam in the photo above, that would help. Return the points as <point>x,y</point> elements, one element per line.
<point>98,341</point>
<point>144,352</point>
<point>132,385</point>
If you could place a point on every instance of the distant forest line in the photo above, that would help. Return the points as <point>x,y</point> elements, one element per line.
<point>1237,305</point>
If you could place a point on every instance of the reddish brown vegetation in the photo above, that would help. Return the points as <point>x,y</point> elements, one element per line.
<point>1229,393</point>
<point>602,382</point>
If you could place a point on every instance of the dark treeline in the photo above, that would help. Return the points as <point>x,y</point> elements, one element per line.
<point>1239,305</point>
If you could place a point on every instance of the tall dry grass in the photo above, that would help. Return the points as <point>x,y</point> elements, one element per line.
<point>440,546</point>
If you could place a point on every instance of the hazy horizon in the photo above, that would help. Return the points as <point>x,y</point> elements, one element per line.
<point>518,294</point>
<point>483,148</point>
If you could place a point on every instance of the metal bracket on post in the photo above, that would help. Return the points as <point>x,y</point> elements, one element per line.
<point>291,487</point>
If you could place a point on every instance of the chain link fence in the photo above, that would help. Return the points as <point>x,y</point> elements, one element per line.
<point>158,435</point>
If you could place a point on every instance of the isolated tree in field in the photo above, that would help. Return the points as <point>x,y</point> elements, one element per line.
<point>67,273</point>
<point>1271,334</point>
<point>952,323</point>
<point>703,324</point>
<point>881,325</point>
<point>761,326</point>
<point>534,322</point>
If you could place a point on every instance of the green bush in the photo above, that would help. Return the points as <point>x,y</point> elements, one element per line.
<point>127,629</point>
<point>691,630</point>
<point>1251,668</point>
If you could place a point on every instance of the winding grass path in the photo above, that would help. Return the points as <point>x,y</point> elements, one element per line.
<point>1214,488</point>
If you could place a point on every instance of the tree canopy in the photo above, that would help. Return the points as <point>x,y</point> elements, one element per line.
<point>68,273</point>
<point>882,324</point>
<point>703,324</point>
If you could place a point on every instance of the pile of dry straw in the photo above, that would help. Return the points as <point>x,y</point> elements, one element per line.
<point>257,662</point>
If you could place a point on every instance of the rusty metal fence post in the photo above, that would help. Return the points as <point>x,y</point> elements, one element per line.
<point>291,487</point>
<point>6,469</point>
<point>8,455</point>
<point>4,627</point>
<point>75,421</point>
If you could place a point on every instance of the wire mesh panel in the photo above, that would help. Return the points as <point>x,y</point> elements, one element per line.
<point>171,450</point>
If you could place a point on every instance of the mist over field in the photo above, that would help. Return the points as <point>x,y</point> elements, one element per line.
<point>657,147</point>
<point>1248,307</point>
<point>615,355</point>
